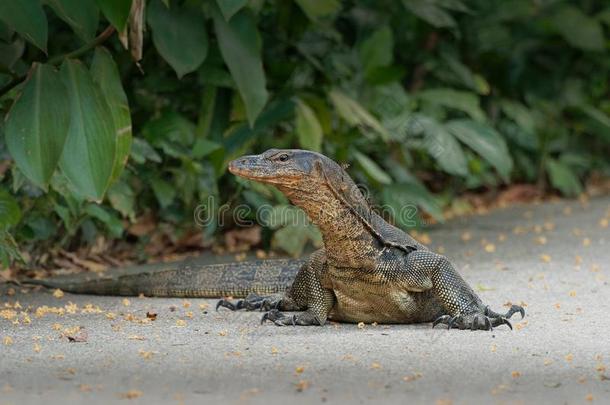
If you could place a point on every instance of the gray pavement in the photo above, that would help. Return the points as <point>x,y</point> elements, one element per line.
<point>554,258</point>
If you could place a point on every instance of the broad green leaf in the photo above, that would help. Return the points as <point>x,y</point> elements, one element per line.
<point>441,145</point>
<point>204,147</point>
<point>141,151</point>
<point>599,121</point>
<point>230,7</point>
<point>10,53</point>
<point>400,195</point>
<point>465,75</point>
<point>27,18</point>
<point>37,125</point>
<point>292,239</point>
<point>123,199</point>
<point>179,35</point>
<point>563,178</point>
<point>520,114</point>
<point>484,140</point>
<point>106,75</point>
<point>109,219</point>
<point>431,12</point>
<point>308,128</point>
<point>377,50</point>
<point>604,16</point>
<point>164,191</point>
<point>9,251</point>
<point>10,213</point>
<point>579,29</point>
<point>81,15</point>
<point>460,100</point>
<point>116,11</point>
<point>354,114</point>
<point>240,45</point>
<point>316,9</point>
<point>88,156</point>
<point>372,169</point>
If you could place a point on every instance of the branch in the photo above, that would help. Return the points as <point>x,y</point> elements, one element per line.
<point>56,60</point>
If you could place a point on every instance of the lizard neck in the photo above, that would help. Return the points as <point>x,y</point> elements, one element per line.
<point>347,240</point>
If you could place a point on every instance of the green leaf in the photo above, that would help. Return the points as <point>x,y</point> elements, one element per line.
<point>106,75</point>
<point>109,219</point>
<point>377,50</point>
<point>10,213</point>
<point>292,239</point>
<point>354,114</point>
<point>179,35</point>
<point>400,196</point>
<point>81,15</point>
<point>88,157</point>
<point>441,145</point>
<point>123,199</point>
<point>27,18</point>
<point>520,114</point>
<point>240,46</point>
<point>578,29</point>
<point>431,12</point>
<point>460,100</point>
<point>372,169</point>
<point>599,122</point>
<point>308,127</point>
<point>230,7</point>
<point>141,151</point>
<point>316,10</point>
<point>165,192</point>
<point>37,125</point>
<point>563,178</point>
<point>484,140</point>
<point>10,53</point>
<point>116,11</point>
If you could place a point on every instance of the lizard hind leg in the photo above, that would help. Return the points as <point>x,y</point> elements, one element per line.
<point>252,302</point>
<point>305,318</point>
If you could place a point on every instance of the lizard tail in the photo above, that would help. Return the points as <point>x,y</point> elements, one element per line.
<point>183,279</point>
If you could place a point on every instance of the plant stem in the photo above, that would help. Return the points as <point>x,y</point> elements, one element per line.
<point>56,60</point>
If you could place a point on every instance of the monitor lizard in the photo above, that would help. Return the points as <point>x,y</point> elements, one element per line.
<point>367,271</point>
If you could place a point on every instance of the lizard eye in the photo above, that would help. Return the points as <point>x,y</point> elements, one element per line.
<point>283,157</point>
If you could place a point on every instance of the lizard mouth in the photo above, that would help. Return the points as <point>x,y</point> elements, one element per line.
<point>249,167</point>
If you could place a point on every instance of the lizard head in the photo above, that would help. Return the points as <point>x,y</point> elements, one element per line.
<point>279,166</point>
<point>300,173</point>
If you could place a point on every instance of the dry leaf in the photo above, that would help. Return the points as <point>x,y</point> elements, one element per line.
<point>79,338</point>
<point>58,293</point>
<point>302,385</point>
<point>131,394</point>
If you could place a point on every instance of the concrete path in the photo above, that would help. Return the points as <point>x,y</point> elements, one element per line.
<point>552,258</point>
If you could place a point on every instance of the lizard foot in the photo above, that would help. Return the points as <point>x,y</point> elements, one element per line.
<point>281,319</point>
<point>251,303</point>
<point>479,321</point>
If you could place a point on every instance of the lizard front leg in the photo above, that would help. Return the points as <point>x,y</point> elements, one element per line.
<point>308,293</point>
<point>465,310</point>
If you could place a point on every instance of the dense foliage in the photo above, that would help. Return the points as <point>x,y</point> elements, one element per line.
<point>426,99</point>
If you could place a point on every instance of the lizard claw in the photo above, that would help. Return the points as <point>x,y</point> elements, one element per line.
<point>226,304</point>
<point>444,319</point>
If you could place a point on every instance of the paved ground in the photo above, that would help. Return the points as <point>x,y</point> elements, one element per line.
<point>553,258</point>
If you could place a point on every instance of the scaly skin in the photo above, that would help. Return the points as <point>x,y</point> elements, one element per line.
<point>368,270</point>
